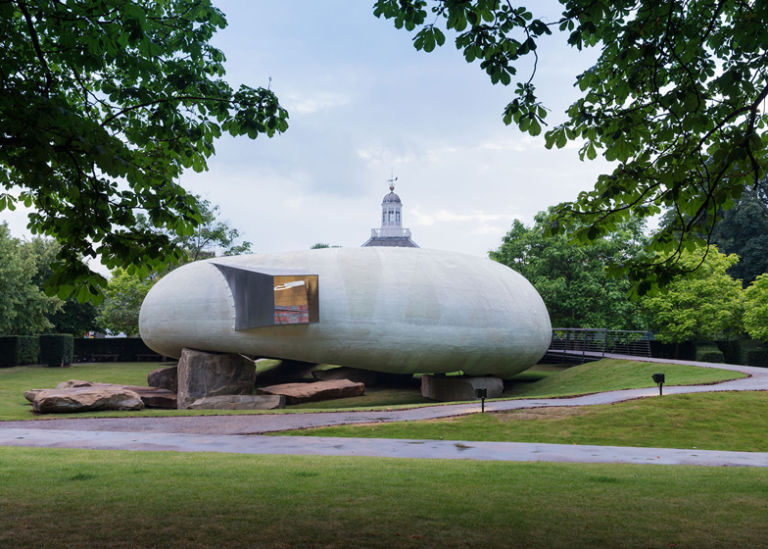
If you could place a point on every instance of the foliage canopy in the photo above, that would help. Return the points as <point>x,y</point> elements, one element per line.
<point>574,281</point>
<point>705,304</point>
<point>756,311</point>
<point>24,308</point>
<point>675,101</point>
<point>102,106</point>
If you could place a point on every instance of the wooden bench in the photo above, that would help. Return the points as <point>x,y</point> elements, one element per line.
<point>105,358</point>
<point>151,357</point>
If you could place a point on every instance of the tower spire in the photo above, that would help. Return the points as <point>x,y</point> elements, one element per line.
<point>391,232</point>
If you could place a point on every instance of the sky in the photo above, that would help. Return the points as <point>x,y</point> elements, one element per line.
<point>364,104</point>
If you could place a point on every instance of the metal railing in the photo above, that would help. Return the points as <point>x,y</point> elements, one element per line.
<point>597,342</point>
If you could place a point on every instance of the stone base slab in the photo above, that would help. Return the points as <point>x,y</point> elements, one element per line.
<point>239,402</point>
<point>296,393</point>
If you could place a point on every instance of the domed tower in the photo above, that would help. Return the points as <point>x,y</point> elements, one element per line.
<point>391,232</point>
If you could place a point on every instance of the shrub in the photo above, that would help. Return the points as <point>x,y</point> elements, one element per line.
<point>757,357</point>
<point>28,349</point>
<point>56,349</point>
<point>16,350</point>
<point>685,350</point>
<point>731,350</point>
<point>709,354</point>
<point>126,348</point>
<point>9,355</point>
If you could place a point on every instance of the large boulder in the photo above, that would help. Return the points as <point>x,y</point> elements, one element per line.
<point>31,394</point>
<point>238,402</point>
<point>152,397</point>
<point>165,378</point>
<point>369,378</point>
<point>76,383</point>
<point>155,397</point>
<point>296,393</point>
<point>204,374</point>
<point>86,399</point>
<point>451,388</point>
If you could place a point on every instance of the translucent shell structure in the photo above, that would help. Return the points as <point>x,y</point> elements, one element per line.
<point>396,310</point>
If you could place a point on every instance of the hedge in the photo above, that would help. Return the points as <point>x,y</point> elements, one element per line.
<point>119,349</point>
<point>757,357</point>
<point>29,349</point>
<point>56,349</point>
<point>731,350</point>
<point>710,355</point>
<point>17,350</point>
<point>685,350</point>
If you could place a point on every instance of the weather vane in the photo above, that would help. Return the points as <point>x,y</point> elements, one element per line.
<point>391,181</point>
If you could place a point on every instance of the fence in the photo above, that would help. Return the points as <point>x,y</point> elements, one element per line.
<point>592,343</point>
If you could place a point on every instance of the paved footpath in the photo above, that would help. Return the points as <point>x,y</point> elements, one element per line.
<point>240,433</point>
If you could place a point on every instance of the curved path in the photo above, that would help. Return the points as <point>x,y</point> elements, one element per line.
<point>228,433</point>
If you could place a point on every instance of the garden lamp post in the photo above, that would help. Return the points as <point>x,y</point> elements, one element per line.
<point>482,394</point>
<point>659,379</point>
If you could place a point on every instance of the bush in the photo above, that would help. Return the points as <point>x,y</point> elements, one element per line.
<point>709,354</point>
<point>28,349</point>
<point>685,350</point>
<point>127,349</point>
<point>731,350</point>
<point>16,350</point>
<point>9,354</point>
<point>758,357</point>
<point>56,349</point>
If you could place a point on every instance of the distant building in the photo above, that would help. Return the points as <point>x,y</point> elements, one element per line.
<point>391,232</point>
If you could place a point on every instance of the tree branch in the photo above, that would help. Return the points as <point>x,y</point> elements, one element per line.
<point>164,100</point>
<point>36,45</point>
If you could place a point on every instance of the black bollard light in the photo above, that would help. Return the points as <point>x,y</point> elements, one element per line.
<point>658,378</point>
<point>482,394</point>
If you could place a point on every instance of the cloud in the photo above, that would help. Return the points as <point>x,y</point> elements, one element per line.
<point>310,104</point>
<point>481,218</point>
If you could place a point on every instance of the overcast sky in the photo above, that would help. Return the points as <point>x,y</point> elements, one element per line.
<point>364,103</point>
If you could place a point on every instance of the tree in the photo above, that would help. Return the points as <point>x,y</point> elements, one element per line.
<point>119,312</point>
<point>744,231</point>
<point>756,309</point>
<point>102,106</point>
<point>72,316</point>
<point>705,304</point>
<point>24,308</point>
<point>573,280</point>
<point>675,101</point>
<point>125,292</point>
<point>211,236</point>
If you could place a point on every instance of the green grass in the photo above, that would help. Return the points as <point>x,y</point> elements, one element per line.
<point>542,380</point>
<point>14,381</point>
<point>612,375</point>
<point>713,421</point>
<point>79,498</point>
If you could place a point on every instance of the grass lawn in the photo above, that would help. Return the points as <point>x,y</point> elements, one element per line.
<point>612,375</point>
<point>80,498</point>
<point>713,421</point>
<point>542,380</point>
